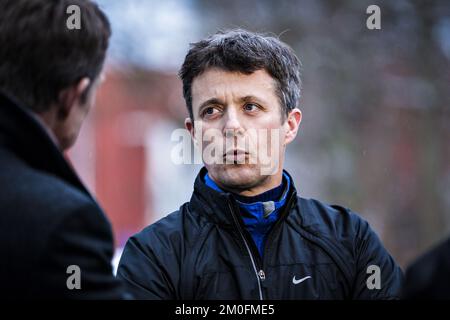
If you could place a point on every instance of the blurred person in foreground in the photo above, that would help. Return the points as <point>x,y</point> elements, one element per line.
<point>246,234</point>
<point>429,276</point>
<point>55,241</point>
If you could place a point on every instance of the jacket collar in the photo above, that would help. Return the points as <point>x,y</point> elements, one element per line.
<point>217,206</point>
<point>26,137</point>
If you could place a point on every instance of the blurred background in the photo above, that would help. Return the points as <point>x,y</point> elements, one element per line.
<point>375,135</point>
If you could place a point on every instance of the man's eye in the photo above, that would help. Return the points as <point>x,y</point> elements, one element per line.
<point>210,111</point>
<point>250,107</point>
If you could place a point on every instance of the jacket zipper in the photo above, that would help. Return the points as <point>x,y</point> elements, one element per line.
<point>259,272</point>
<point>277,224</point>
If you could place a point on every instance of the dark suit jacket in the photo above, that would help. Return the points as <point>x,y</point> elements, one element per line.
<point>48,220</point>
<point>429,277</point>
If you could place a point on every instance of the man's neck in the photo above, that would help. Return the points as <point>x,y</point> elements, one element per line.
<point>45,120</point>
<point>270,182</point>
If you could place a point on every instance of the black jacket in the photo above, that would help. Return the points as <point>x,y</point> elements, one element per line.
<point>429,277</point>
<point>48,220</point>
<point>202,251</point>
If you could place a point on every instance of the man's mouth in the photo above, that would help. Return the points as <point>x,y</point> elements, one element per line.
<point>235,155</point>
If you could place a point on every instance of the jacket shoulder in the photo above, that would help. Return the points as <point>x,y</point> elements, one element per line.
<point>180,226</point>
<point>354,246</point>
<point>164,227</point>
<point>332,220</point>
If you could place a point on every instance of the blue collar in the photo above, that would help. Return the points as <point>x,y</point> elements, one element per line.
<point>259,216</point>
<point>259,209</point>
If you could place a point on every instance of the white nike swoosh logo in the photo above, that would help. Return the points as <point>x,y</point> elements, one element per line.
<point>295,281</point>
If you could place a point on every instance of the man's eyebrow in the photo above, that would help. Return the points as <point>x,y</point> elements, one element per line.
<point>250,98</point>
<point>210,102</point>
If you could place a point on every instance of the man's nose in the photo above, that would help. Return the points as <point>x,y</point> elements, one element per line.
<point>233,125</point>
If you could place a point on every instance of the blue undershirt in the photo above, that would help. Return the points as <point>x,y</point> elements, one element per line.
<point>259,212</point>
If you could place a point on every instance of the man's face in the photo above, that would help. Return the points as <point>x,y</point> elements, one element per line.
<point>69,129</point>
<point>240,117</point>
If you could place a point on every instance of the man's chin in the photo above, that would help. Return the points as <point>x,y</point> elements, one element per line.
<point>238,176</point>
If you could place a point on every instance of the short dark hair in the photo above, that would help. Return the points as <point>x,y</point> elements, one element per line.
<point>246,52</point>
<point>40,55</point>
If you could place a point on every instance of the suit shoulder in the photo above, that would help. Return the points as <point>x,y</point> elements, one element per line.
<point>29,190</point>
<point>427,277</point>
<point>35,203</point>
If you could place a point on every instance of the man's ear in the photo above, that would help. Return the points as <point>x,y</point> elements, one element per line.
<point>71,96</point>
<point>292,124</point>
<point>189,125</point>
